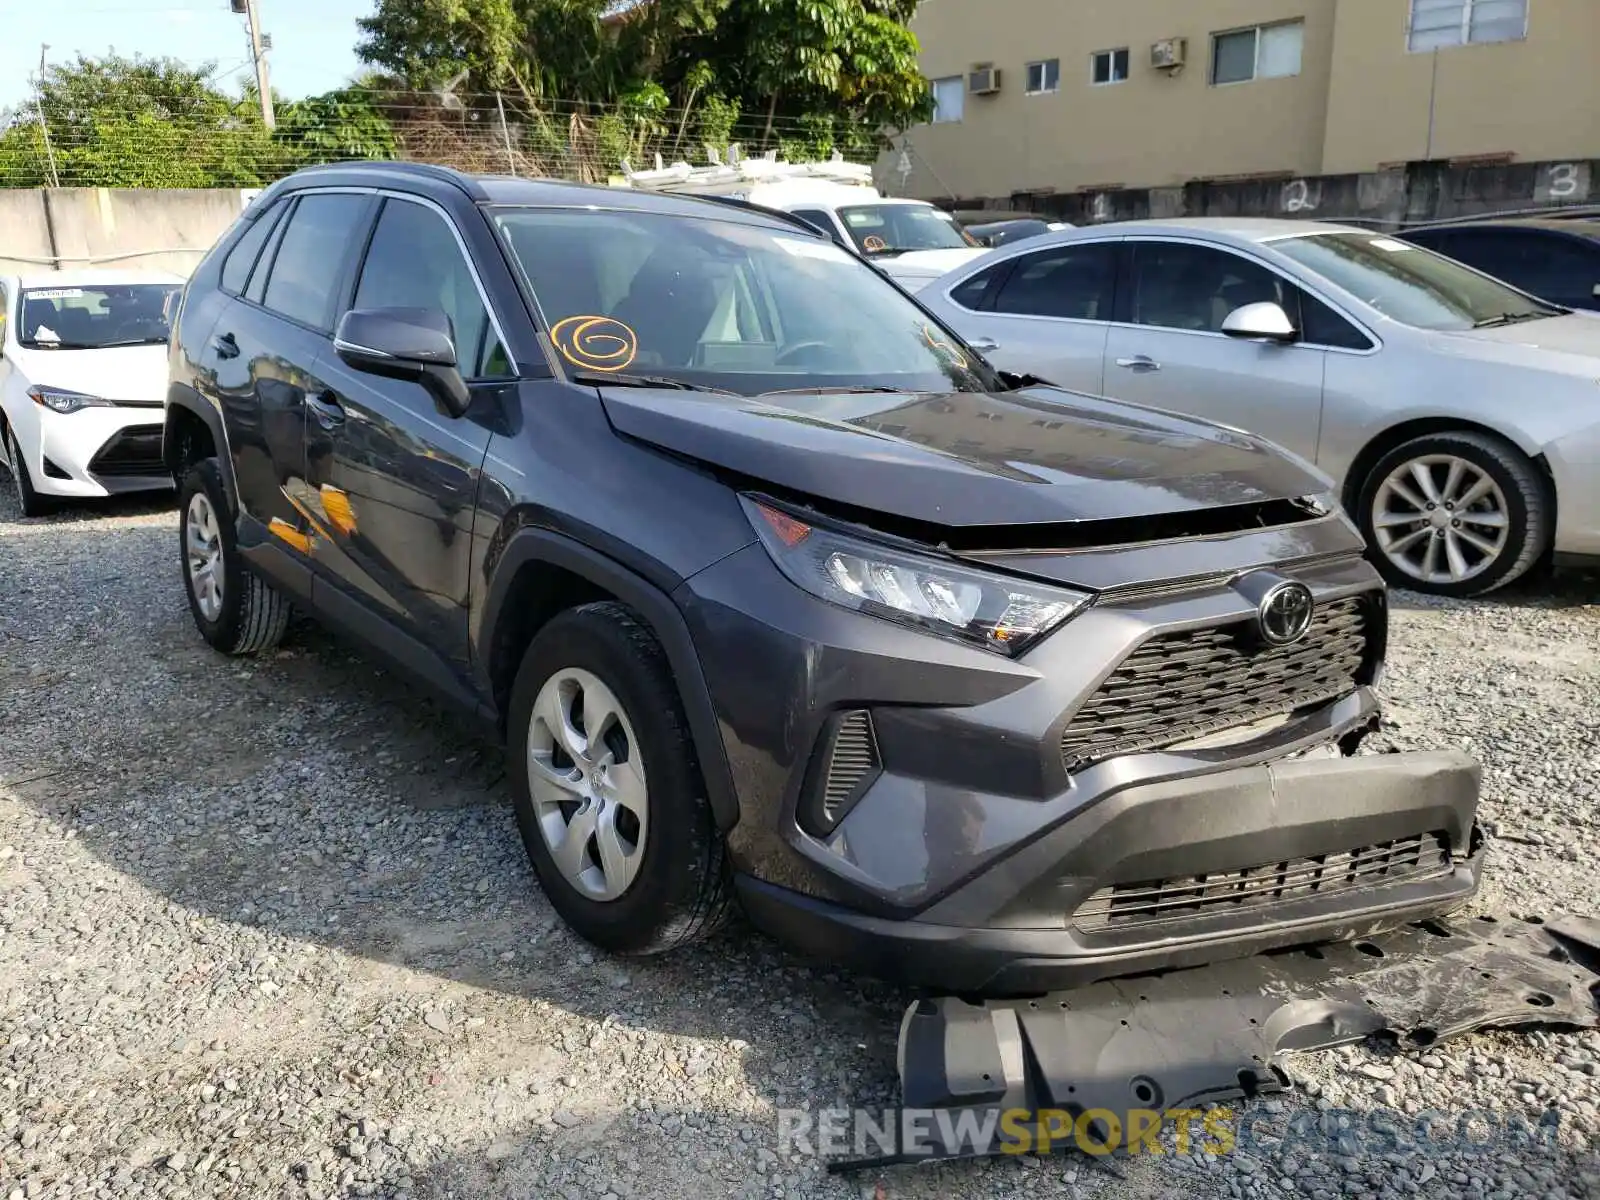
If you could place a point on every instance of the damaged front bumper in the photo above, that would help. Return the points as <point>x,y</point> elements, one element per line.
<point>1088,1067</point>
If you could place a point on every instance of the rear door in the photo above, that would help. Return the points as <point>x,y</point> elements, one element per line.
<point>262,357</point>
<point>1046,313</point>
<point>1168,349</point>
<point>392,479</point>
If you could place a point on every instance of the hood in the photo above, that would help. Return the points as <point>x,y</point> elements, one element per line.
<point>930,264</point>
<point>1569,344</point>
<point>127,373</point>
<point>966,460</point>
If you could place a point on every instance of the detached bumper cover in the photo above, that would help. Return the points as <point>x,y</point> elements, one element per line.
<point>1178,872</point>
<point>1164,1044</point>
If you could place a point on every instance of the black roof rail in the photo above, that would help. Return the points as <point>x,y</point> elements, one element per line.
<point>457,179</point>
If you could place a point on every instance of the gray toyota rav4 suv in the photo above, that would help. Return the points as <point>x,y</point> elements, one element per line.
<point>780,595</point>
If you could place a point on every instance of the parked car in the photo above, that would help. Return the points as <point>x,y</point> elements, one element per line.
<point>1457,414</point>
<point>1556,260</point>
<point>778,592</point>
<point>82,378</point>
<point>1004,233</point>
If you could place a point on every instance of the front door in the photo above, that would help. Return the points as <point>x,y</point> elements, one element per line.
<point>1169,351</point>
<point>392,479</point>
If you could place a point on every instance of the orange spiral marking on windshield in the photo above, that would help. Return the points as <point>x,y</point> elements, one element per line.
<point>873,244</point>
<point>957,359</point>
<point>596,343</point>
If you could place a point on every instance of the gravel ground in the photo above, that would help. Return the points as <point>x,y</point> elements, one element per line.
<point>266,929</point>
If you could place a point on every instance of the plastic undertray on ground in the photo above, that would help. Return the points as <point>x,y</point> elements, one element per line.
<point>1185,1039</point>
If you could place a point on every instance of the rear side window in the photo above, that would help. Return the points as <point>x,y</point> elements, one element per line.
<point>1561,268</point>
<point>236,267</point>
<point>305,271</point>
<point>1076,282</point>
<point>414,261</point>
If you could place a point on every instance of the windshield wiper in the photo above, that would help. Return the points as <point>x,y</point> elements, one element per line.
<point>621,379</point>
<point>1510,318</point>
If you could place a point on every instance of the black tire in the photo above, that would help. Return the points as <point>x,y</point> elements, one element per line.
<point>29,501</point>
<point>683,889</point>
<point>254,615</point>
<point>1530,510</point>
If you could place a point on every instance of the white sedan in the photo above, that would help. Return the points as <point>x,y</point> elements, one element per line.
<point>83,377</point>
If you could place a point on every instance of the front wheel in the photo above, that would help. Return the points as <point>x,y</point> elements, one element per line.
<point>607,787</point>
<point>1454,514</point>
<point>29,501</point>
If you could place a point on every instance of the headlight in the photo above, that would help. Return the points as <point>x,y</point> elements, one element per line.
<point>62,401</point>
<point>982,609</point>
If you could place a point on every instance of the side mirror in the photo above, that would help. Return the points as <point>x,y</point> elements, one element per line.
<point>1596,292</point>
<point>415,344</point>
<point>1266,321</point>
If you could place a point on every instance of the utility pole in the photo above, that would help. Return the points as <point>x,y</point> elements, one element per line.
<point>251,10</point>
<point>44,125</point>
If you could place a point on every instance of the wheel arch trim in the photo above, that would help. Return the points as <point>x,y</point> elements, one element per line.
<point>182,396</point>
<point>659,611</point>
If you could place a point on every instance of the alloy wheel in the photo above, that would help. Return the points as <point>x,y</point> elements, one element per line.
<point>203,543</point>
<point>1441,519</point>
<point>588,784</point>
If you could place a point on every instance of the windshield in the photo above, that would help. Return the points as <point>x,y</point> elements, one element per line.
<point>726,305</point>
<point>1413,285</point>
<point>879,229</point>
<point>95,317</point>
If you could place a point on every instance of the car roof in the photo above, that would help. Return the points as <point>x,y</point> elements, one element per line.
<point>428,180</point>
<point>1245,229</point>
<point>94,276</point>
<point>1582,228</point>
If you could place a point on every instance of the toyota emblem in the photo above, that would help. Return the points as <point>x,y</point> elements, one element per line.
<point>1284,614</point>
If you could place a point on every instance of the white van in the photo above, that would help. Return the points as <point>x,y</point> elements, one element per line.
<point>911,241</point>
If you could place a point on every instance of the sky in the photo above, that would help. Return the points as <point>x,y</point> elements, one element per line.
<point>313,40</point>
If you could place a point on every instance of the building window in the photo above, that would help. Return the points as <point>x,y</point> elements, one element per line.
<point>1267,52</point>
<point>1108,66</point>
<point>949,94</point>
<point>1044,76</point>
<point>1436,23</point>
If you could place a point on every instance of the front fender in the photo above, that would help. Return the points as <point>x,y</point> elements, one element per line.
<point>182,396</point>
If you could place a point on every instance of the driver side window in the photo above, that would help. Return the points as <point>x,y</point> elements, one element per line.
<point>1180,285</point>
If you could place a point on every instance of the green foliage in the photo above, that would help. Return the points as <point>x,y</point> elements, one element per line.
<point>135,122</point>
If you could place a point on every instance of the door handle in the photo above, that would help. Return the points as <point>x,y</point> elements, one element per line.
<point>984,345</point>
<point>326,409</point>
<point>1139,362</point>
<point>226,346</point>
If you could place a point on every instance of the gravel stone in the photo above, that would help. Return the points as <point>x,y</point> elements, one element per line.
<point>267,930</point>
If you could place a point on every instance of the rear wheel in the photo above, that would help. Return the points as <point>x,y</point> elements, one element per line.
<point>29,501</point>
<point>235,610</point>
<point>1455,514</point>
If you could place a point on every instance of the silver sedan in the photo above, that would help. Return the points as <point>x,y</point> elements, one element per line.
<point>1460,418</point>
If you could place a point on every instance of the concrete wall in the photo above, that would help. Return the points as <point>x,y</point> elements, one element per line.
<point>1362,100</point>
<point>157,229</point>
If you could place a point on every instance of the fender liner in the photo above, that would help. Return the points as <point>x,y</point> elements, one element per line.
<point>181,395</point>
<point>660,612</point>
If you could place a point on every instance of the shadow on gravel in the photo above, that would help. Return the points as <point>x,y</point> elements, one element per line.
<point>1564,589</point>
<point>67,512</point>
<point>312,796</point>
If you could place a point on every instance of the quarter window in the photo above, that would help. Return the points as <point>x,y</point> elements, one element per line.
<point>236,268</point>
<point>1044,76</point>
<point>1108,66</point>
<point>1321,326</point>
<point>1178,285</point>
<point>949,97</point>
<point>1266,52</point>
<point>414,261</point>
<point>1076,282</point>
<point>1438,23</point>
<point>305,270</point>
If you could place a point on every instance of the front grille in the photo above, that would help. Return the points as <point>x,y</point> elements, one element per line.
<point>854,758</point>
<point>1424,856</point>
<point>135,450</point>
<point>1179,686</point>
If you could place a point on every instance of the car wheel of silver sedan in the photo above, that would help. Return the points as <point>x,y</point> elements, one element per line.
<point>1454,514</point>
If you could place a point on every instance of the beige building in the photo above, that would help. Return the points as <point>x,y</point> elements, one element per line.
<point>1070,95</point>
